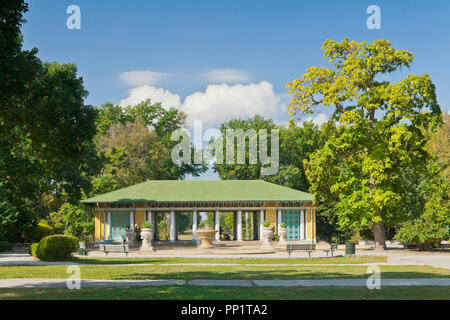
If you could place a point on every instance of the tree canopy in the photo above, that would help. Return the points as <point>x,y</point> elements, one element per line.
<point>376,129</point>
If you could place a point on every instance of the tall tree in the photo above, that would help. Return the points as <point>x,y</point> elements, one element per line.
<point>296,143</point>
<point>374,131</point>
<point>45,128</point>
<point>244,171</point>
<point>134,153</point>
<point>161,122</point>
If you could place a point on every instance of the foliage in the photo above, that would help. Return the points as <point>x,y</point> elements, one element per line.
<point>227,222</point>
<point>437,207</point>
<point>163,228</point>
<point>45,129</point>
<point>423,233</point>
<point>437,188</point>
<point>33,249</point>
<point>5,246</point>
<point>103,184</point>
<point>79,220</point>
<point>439,145</point>
<point>160,123</point>
<point>184,221</point>
<point>282,225</point>
<point>296,144</point>
<point>146,224</point>
<point>59,228</point>
<point>266,224</point>
<point>57,247</point>
<point>242,171</point>
<point>134,153</point>
<point>36,232</point>
<point>375,129</point>
<point>9,216</point>
<point>327,224</point>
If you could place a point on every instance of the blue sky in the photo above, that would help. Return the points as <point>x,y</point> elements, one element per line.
<point>196,54</point>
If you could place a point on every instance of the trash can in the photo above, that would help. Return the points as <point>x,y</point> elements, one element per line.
<point>349,247</point>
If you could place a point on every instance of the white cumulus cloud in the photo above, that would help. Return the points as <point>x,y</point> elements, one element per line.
<point>217,104</point>
<point>319,119</point>
<point>139,94</point>
<point>227,75</point>
<point>222,102</point>
<point>142,77</point>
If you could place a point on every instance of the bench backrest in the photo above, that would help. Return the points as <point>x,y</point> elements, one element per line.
<point>112,247</point>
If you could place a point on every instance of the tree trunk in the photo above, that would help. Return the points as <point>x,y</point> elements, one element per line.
<point>380,235</point>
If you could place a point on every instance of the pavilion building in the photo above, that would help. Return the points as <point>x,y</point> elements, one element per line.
<point>147,201</point>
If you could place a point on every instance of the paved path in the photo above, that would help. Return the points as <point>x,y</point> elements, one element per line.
<point>61,283</point>
<point>394,259</point>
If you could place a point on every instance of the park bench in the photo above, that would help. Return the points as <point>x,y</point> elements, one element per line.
<point>333,247</point>
<point>107,248</point>
<point>300,246</point>
<point>82,250</point>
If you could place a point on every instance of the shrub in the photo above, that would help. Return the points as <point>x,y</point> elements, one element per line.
<point>59,228</point>
<point>57,247</point>
<point>33,249</point>
<point>78,219</point>
<point>422,233</point>
<point>266,224</point>
<point>146,224</point>
<point>5,246</point>
<point>282,225</point>
<point>37,232</point>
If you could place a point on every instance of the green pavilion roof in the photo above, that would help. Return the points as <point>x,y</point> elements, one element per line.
<point>202,190</point>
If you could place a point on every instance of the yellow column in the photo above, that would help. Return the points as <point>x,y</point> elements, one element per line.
<point>308,223</point>
<point>314,225</point>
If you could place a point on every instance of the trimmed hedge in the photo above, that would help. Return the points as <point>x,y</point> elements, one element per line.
<point>33,249</point>
<point>57,247</point>
<point>37,232</point>
<point>5,246</point>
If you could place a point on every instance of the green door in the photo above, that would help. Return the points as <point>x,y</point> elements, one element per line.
<point>119,220</point>
<point>291,218</point>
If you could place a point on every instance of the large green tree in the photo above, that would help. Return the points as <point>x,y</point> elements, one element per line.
<point>45,128</point>
<point>134,154</point>
<point>160,122</point>
<point>374,132</point>
<point>295,144</point>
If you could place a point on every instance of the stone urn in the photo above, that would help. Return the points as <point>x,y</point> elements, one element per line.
<point>282,232</point>
<point>146,235</point>
<point>130,235</point>
<point>267,238</point>
<point>206,237</point>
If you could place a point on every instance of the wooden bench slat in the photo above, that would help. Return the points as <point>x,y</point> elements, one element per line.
<point>115,248</point>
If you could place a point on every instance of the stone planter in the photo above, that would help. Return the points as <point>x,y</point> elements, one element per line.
<point>267,238</point>
<point>130,235</point>
<point>206,237</point>
<point>146,235</point>
<point>282,232</point>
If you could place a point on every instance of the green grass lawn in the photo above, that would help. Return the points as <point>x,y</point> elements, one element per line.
<point>228,293</point>
<point>158,260</point>
<point>221,272</point>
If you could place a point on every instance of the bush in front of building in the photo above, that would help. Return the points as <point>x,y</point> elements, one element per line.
<point>37,232</point>
<point>56,247</point>
<point>5,246</point>
<point>33,248</point>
